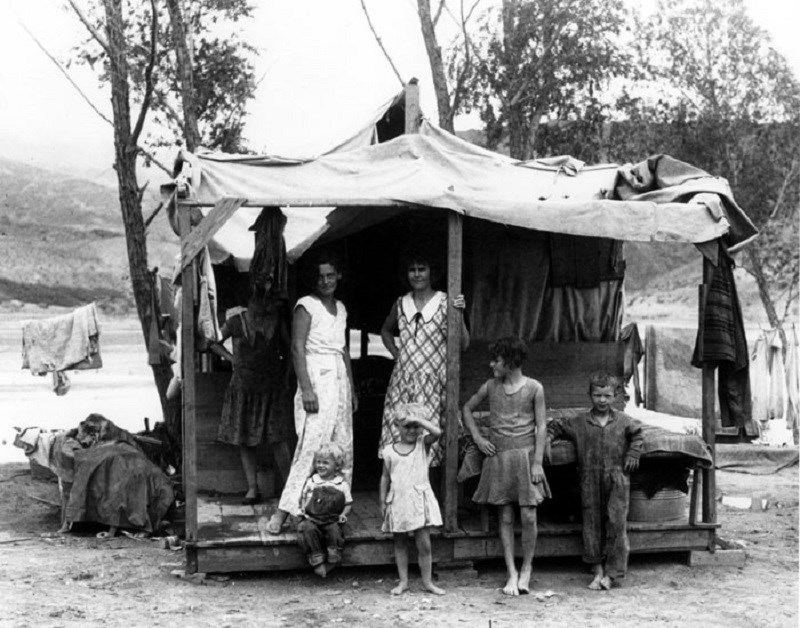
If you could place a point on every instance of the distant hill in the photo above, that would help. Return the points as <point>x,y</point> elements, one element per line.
<point>62,241</point>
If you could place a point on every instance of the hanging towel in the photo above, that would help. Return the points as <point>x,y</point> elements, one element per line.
<point>777,375</point>
<point>759,378</point>
<point>71,341</point>
<point>792,370</point>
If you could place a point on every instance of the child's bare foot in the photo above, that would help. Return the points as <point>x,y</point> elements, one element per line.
<point>429,586</point>
<point>595,585</point>
<point>607,582</point>
<point>275,522</point>
<point>511,588</point>
<point>400,588</point>
<point>524,582</point>
<point>599,573</point>
<point>321,570</point>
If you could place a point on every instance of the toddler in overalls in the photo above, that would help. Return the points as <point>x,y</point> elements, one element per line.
<point>324,505</point>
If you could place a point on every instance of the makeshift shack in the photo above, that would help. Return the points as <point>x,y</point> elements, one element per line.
<point>536,248</point>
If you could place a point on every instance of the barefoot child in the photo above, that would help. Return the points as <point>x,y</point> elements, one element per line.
<point>325,504</point>
<point>512,472</point>
<point>407,500</point>
<point>608,444</point>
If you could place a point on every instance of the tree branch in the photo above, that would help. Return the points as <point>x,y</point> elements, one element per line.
<point>380,43</point>
<point>793,170</point>
<point>66,75</point>
<point>148,75</point>
<point>92,30</point>
<point>152,158</point>
<point>466,69</point>
<point>438,13</point>
<point>790,297</point>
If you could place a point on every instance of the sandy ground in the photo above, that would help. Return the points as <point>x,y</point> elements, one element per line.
<point>78,580</point>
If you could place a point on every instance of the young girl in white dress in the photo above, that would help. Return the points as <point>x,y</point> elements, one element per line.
<point>407,500</point>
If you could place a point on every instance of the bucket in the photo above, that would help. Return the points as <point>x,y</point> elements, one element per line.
<point>666,505</point>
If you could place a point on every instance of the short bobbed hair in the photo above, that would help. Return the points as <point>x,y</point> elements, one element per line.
<point>419,255</point>
<point>333,451</point>
<point>511,349</point>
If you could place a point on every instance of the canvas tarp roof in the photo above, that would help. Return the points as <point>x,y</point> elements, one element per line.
<point>436,169</point>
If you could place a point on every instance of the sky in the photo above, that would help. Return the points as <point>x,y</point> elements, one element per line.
<point>321,71</point>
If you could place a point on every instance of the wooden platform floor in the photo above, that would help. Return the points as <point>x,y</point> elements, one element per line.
<point>233,537</point>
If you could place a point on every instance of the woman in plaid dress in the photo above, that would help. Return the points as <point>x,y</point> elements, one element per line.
<point>420,351</point>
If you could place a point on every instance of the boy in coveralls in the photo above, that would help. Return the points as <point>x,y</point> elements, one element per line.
<point>608,445</point>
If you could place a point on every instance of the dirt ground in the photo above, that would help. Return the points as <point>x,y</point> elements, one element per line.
<point>78,580</point>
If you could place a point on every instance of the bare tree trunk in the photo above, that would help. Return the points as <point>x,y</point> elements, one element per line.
<point>125,163</point>
<point>518,129</point>
<point>125,152</point>
<point>517,133</point>
<point>437,68</point>
<point>191,132</point>
<point>763,287</point>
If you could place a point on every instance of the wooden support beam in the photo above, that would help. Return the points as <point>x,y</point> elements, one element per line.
<point>188,281</point>
<point>364,352</point>
<point>455,229</point>
<point>709,421</point>
<point>413,113</point>
<point>693,496</point>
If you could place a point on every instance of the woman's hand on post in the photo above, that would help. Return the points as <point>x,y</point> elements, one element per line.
<point>485,446</point>
<point>310,402</point>
<point>459,302</point>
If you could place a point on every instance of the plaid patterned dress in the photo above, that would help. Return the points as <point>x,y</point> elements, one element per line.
<point>419,373</point>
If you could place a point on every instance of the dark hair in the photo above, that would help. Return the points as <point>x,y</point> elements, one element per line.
<point>511,349</point>
<point>601,379</point>
<point>310,267</point>
<point>419,255</point>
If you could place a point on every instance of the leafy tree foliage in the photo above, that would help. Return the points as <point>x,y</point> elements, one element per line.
<point>224,76</point>
<point>546,58</point>
<point>735,106</point>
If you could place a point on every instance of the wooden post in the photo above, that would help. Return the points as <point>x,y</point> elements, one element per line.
<point>709,421</point>
<point>413,113</point>
<point>455,228</point>
<point>364,344</point>
<point>188,279</point>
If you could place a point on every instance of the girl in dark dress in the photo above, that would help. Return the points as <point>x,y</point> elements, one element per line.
<point>256,404</point>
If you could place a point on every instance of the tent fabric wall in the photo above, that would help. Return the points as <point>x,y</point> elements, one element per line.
<point>509,292</point>
<point>436,169</point>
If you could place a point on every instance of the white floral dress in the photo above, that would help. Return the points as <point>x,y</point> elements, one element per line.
<point>325,347</point>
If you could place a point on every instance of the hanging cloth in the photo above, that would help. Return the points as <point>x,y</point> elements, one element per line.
<point>792,369</point>
<point>154,355</point>
<point>721,343</point>
<point>777,376</point>
<point>759,377</point>
<point>269,258</point>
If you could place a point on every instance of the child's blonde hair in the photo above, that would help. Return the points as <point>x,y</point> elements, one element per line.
<point>333,451</point>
